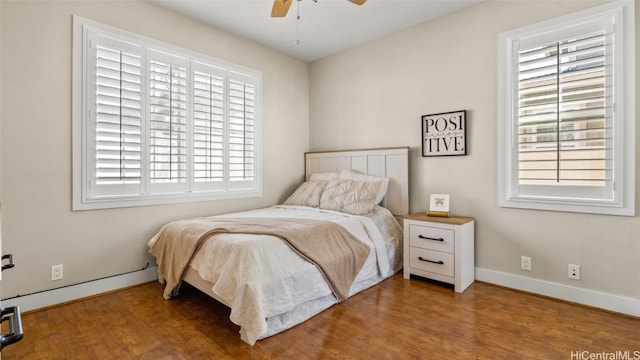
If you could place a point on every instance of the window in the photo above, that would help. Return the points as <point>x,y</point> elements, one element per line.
<point>567,113</point>
<point>155,124</point>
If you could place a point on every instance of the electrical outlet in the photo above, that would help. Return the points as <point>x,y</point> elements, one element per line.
<point>574,272</point>
<point>56,272</point>
<point>525,263</point>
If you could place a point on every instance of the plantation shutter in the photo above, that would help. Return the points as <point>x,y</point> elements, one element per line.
<point>167,121</point>
<point>118,117</point>
<point>155,124</point>
<point>567,115</point>
<point>241,133</point>
<point>565,110</point>
<point>208,127</point>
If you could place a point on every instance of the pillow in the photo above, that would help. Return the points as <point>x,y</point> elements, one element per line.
<point>353,175</point>
<point>350,196</point>
<point>326,176</point>
<point>307,194</point>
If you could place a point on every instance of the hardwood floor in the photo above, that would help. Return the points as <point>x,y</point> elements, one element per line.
<point>398,319</point>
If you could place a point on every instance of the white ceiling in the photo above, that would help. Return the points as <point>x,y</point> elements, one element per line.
<point>325,27</point>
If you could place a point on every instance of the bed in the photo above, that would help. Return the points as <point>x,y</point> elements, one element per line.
<point>268,266</point>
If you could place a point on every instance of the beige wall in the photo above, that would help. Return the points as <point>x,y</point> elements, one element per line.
<point>39,227</point>
<point>374,95</point>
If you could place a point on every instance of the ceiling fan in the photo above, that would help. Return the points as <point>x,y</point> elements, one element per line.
<point>281,7</point>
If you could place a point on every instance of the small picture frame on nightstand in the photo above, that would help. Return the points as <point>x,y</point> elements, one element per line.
<point>439,205</point>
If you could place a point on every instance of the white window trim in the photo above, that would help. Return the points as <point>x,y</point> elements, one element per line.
<point>81,171</point>
<point>623,202</point>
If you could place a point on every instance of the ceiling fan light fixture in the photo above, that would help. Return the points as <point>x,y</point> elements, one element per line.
<point>281,7</point>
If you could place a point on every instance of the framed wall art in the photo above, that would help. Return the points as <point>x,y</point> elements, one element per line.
<point>444,134</point>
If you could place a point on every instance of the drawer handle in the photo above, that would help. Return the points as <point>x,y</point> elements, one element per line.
<point>430,261</point>
<point>430,238</point>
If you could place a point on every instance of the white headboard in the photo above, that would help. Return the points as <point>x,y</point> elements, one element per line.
<point>392,163</point>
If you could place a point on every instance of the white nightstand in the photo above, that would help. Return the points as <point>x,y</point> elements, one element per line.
<point>440,248</point>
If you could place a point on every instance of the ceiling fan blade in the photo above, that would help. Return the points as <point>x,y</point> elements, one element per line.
<point>358,2</point>
<point>281,7</point>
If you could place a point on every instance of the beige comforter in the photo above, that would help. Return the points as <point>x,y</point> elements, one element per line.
<point>332,249</point>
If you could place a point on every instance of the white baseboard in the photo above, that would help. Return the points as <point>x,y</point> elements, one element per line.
<point>74,292</point>
<point>597,299</point>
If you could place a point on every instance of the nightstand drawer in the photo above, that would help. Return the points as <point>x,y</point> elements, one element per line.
<point>433,261</point>
<point>433,238</point>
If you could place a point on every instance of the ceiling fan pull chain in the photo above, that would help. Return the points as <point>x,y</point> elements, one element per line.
<point>298,23</point>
